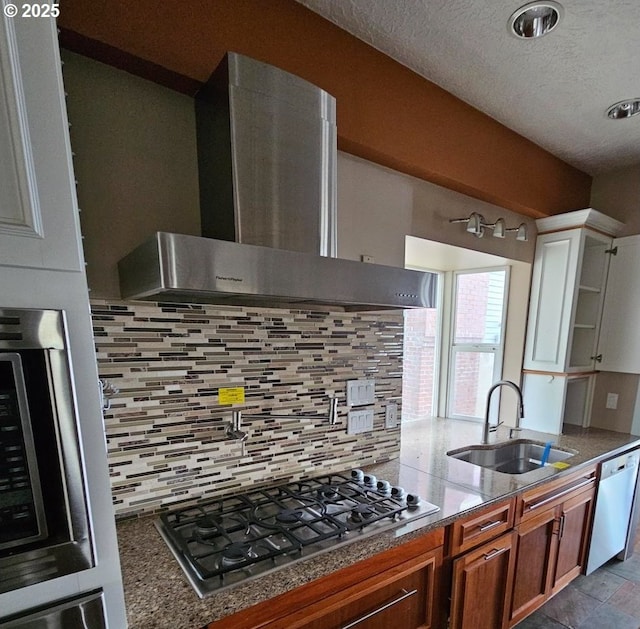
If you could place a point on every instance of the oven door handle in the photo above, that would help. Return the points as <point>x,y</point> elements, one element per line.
<point>380,609</point>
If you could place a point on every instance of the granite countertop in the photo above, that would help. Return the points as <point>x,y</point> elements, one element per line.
<point>158,595</point>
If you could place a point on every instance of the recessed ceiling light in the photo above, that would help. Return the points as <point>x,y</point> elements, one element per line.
<point>624,109</point>
<point>535,19</point>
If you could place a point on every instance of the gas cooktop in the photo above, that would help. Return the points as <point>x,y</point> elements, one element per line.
<point>222,542</point>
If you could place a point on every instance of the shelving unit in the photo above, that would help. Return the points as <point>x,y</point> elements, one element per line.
<point>567,299</point>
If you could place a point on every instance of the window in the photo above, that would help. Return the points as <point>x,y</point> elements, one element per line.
<point>476,344</point>
<point>421,350</point>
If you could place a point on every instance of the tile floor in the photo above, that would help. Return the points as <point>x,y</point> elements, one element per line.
<point>609,598</point>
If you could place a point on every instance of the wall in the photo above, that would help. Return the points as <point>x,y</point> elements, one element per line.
<point>617,194</point>
<point>165,429</point>
<point>386,113</point>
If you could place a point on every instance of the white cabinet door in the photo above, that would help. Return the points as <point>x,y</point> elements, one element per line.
<point>37,187</point>
<point>552,289</point>
<point>569,277</point>
<point>620,332</point>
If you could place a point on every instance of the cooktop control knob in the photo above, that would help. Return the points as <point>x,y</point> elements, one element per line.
<point>384,486</point>
<point>370,480</point>
<point>357,476</point>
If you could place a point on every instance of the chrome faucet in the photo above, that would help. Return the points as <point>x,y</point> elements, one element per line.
<point>487,427</point>
<point>234,432</point>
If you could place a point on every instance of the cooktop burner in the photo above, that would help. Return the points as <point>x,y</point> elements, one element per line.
<point>221,542</point>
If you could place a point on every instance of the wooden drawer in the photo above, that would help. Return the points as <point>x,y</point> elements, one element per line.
<point>401,597</point>
<point>481,527</point>
<point>553,493</point>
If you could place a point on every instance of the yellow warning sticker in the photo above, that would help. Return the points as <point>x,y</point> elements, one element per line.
<point>560,465</point>
<point>231,395</point>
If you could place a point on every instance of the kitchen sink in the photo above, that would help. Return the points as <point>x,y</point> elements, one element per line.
<point>512,457</point>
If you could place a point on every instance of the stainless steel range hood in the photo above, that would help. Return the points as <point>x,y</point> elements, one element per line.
<point>177,268</point>
<point>267,156</point>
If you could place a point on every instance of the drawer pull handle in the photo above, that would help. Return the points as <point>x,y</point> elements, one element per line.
<point>568,490</point>
<point>494,553</point>
<point>391,603</point>
<point>489,525</point>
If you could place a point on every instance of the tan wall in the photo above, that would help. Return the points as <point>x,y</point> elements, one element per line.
<point>386,113</point>
<point>618,195</point>
<point>135,162</point>
<point>620,419</point>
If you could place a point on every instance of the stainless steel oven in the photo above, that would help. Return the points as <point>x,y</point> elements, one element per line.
<point>44,530</point>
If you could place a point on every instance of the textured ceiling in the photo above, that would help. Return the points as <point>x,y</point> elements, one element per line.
<point>553,90</point>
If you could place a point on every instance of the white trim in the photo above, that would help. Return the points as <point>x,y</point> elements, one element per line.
<point>497,349</point>
<point>580,218</point>
<point>30,223</point>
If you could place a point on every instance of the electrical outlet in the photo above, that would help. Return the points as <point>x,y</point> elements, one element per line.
<point>391,415</point>
<point>612,401</point>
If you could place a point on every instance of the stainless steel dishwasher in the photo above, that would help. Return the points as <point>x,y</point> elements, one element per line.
<point>616,489</point>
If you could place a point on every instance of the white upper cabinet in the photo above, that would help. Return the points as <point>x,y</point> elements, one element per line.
<point>620,333</point>
<point>567,293</point>
<point>37,186</point>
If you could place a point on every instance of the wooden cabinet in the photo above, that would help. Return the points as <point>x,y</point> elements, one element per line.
<point>38,207</point>
<point>483,547</point>
<point>400,587</point>
<point>567,298</point>
<point>552,534</point>
<point>620,333</point>
<point>482,583</point>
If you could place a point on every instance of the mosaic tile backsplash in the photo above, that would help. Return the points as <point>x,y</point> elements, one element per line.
<point>164,364</point>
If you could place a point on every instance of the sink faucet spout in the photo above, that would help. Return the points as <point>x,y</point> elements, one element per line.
<point>487,427</point>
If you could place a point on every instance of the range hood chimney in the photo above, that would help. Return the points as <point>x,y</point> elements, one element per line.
<point>267,157</point>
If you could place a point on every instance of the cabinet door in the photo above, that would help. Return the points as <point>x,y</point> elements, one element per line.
<point>575,516</point>
<point>552,288</point>
<point>536,555</point>
<point>38,208</point>
<point>620,334</point>
<point>482,584</point>
<point>567,293</point>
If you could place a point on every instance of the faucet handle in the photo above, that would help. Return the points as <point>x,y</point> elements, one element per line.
<point>494,428</point>
<point>333,411</point>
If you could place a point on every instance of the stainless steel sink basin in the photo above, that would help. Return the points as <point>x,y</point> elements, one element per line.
<point>512,457</point>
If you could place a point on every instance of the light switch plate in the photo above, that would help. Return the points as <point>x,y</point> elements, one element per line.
<point>612,401</point>
<point>359,421</point>
<point>361,392</point>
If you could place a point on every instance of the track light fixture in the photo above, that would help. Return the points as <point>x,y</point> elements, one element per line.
<point>476,225</point>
